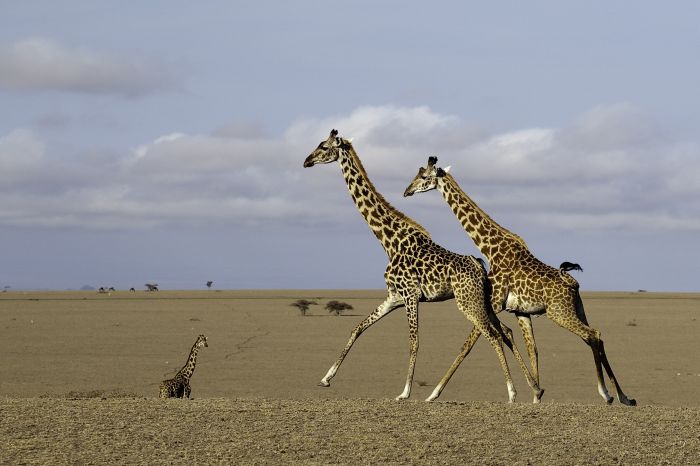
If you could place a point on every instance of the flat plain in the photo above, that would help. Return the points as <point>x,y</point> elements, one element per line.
<point>80,375</point>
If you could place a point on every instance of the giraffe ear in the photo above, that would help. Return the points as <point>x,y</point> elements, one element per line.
<point>440,172</point>
<point>447,168</point>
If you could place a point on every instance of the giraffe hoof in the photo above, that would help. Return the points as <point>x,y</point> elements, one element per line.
<point>538,396</point>
<point>628,401</point>
<point>323,383</point>
<point>609,400</point>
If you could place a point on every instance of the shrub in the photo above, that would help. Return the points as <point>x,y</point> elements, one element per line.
<point>303,305</point>
<point>337,307</point>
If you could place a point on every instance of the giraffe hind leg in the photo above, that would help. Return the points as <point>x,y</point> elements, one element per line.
<point>473,305</point>
<point>604,359</point>
<point>620,394</point>
<point>570,320</point>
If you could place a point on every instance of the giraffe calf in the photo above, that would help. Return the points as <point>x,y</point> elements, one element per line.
<point>179,386</point>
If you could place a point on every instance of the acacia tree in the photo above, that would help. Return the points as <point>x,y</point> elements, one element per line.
<point>303,305</point>
<point>337,307</point>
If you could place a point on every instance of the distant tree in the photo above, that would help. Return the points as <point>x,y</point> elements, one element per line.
<point>209,284</point>
<point>151,287</point>
<point>132,289</point>
<point>303,305</point>
<point>337,307</point>
<point>5,288</point>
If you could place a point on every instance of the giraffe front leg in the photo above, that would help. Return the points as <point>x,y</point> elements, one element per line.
<point>389,304</point>
<point>188,390</point>
<point>509,341</point>
<point>525,324</point>
<point>466,348</point>
<point>412,314</point>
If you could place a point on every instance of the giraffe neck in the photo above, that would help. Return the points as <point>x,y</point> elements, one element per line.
<point>188,370</point>
<point>490,238</point>
<point>383,219</point>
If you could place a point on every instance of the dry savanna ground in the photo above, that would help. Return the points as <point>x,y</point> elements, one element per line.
<point>80,375</point>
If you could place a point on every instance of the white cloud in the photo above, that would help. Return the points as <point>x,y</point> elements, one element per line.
<point>43,64</point>
<point>581,176</point>
<point>21,154</point>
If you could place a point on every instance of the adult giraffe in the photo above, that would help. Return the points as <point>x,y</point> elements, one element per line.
<point>418,269</point>
<point>521,283</point>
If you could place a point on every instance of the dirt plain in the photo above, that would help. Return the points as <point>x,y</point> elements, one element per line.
<point>80,375</point>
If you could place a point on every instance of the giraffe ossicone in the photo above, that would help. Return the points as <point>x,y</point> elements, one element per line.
<point>418,270</point>
<point>521,283</point>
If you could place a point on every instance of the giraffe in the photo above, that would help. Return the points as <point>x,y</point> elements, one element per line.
<point>521,283</point>
<point>179,386</point>
<point>418,269</point>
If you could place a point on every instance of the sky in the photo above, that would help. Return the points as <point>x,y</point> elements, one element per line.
<point>163,141</point>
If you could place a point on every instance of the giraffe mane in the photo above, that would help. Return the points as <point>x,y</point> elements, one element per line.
<point>391,208</point>
<point>504,231</point>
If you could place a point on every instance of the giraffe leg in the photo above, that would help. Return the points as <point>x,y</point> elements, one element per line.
<point>525,324</point>
<point>496,341</point>
<point>187,391</point>
<point>620,394</point>
<point>390,303</point>
<point>498,294</point>
<point>509,341</point>
<point>604,359</point>
<point>568,319</point>
<point>163,393</point>
<point>466,348</point>
<point>477,311</point>
<point>411,303</point>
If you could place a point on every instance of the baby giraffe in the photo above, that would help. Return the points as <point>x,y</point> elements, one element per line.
<point>179,386</point>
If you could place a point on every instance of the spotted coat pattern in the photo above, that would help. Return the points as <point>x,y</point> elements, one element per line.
<point>179,386</point>
<point>521,283</point>
<point>418,269</point>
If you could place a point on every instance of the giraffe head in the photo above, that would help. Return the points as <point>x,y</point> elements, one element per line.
<point>201,341</point>
<point>427,178</point>
<point>328,150</point>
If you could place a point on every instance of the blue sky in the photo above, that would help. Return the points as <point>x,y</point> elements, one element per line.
<point>163,141</point>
